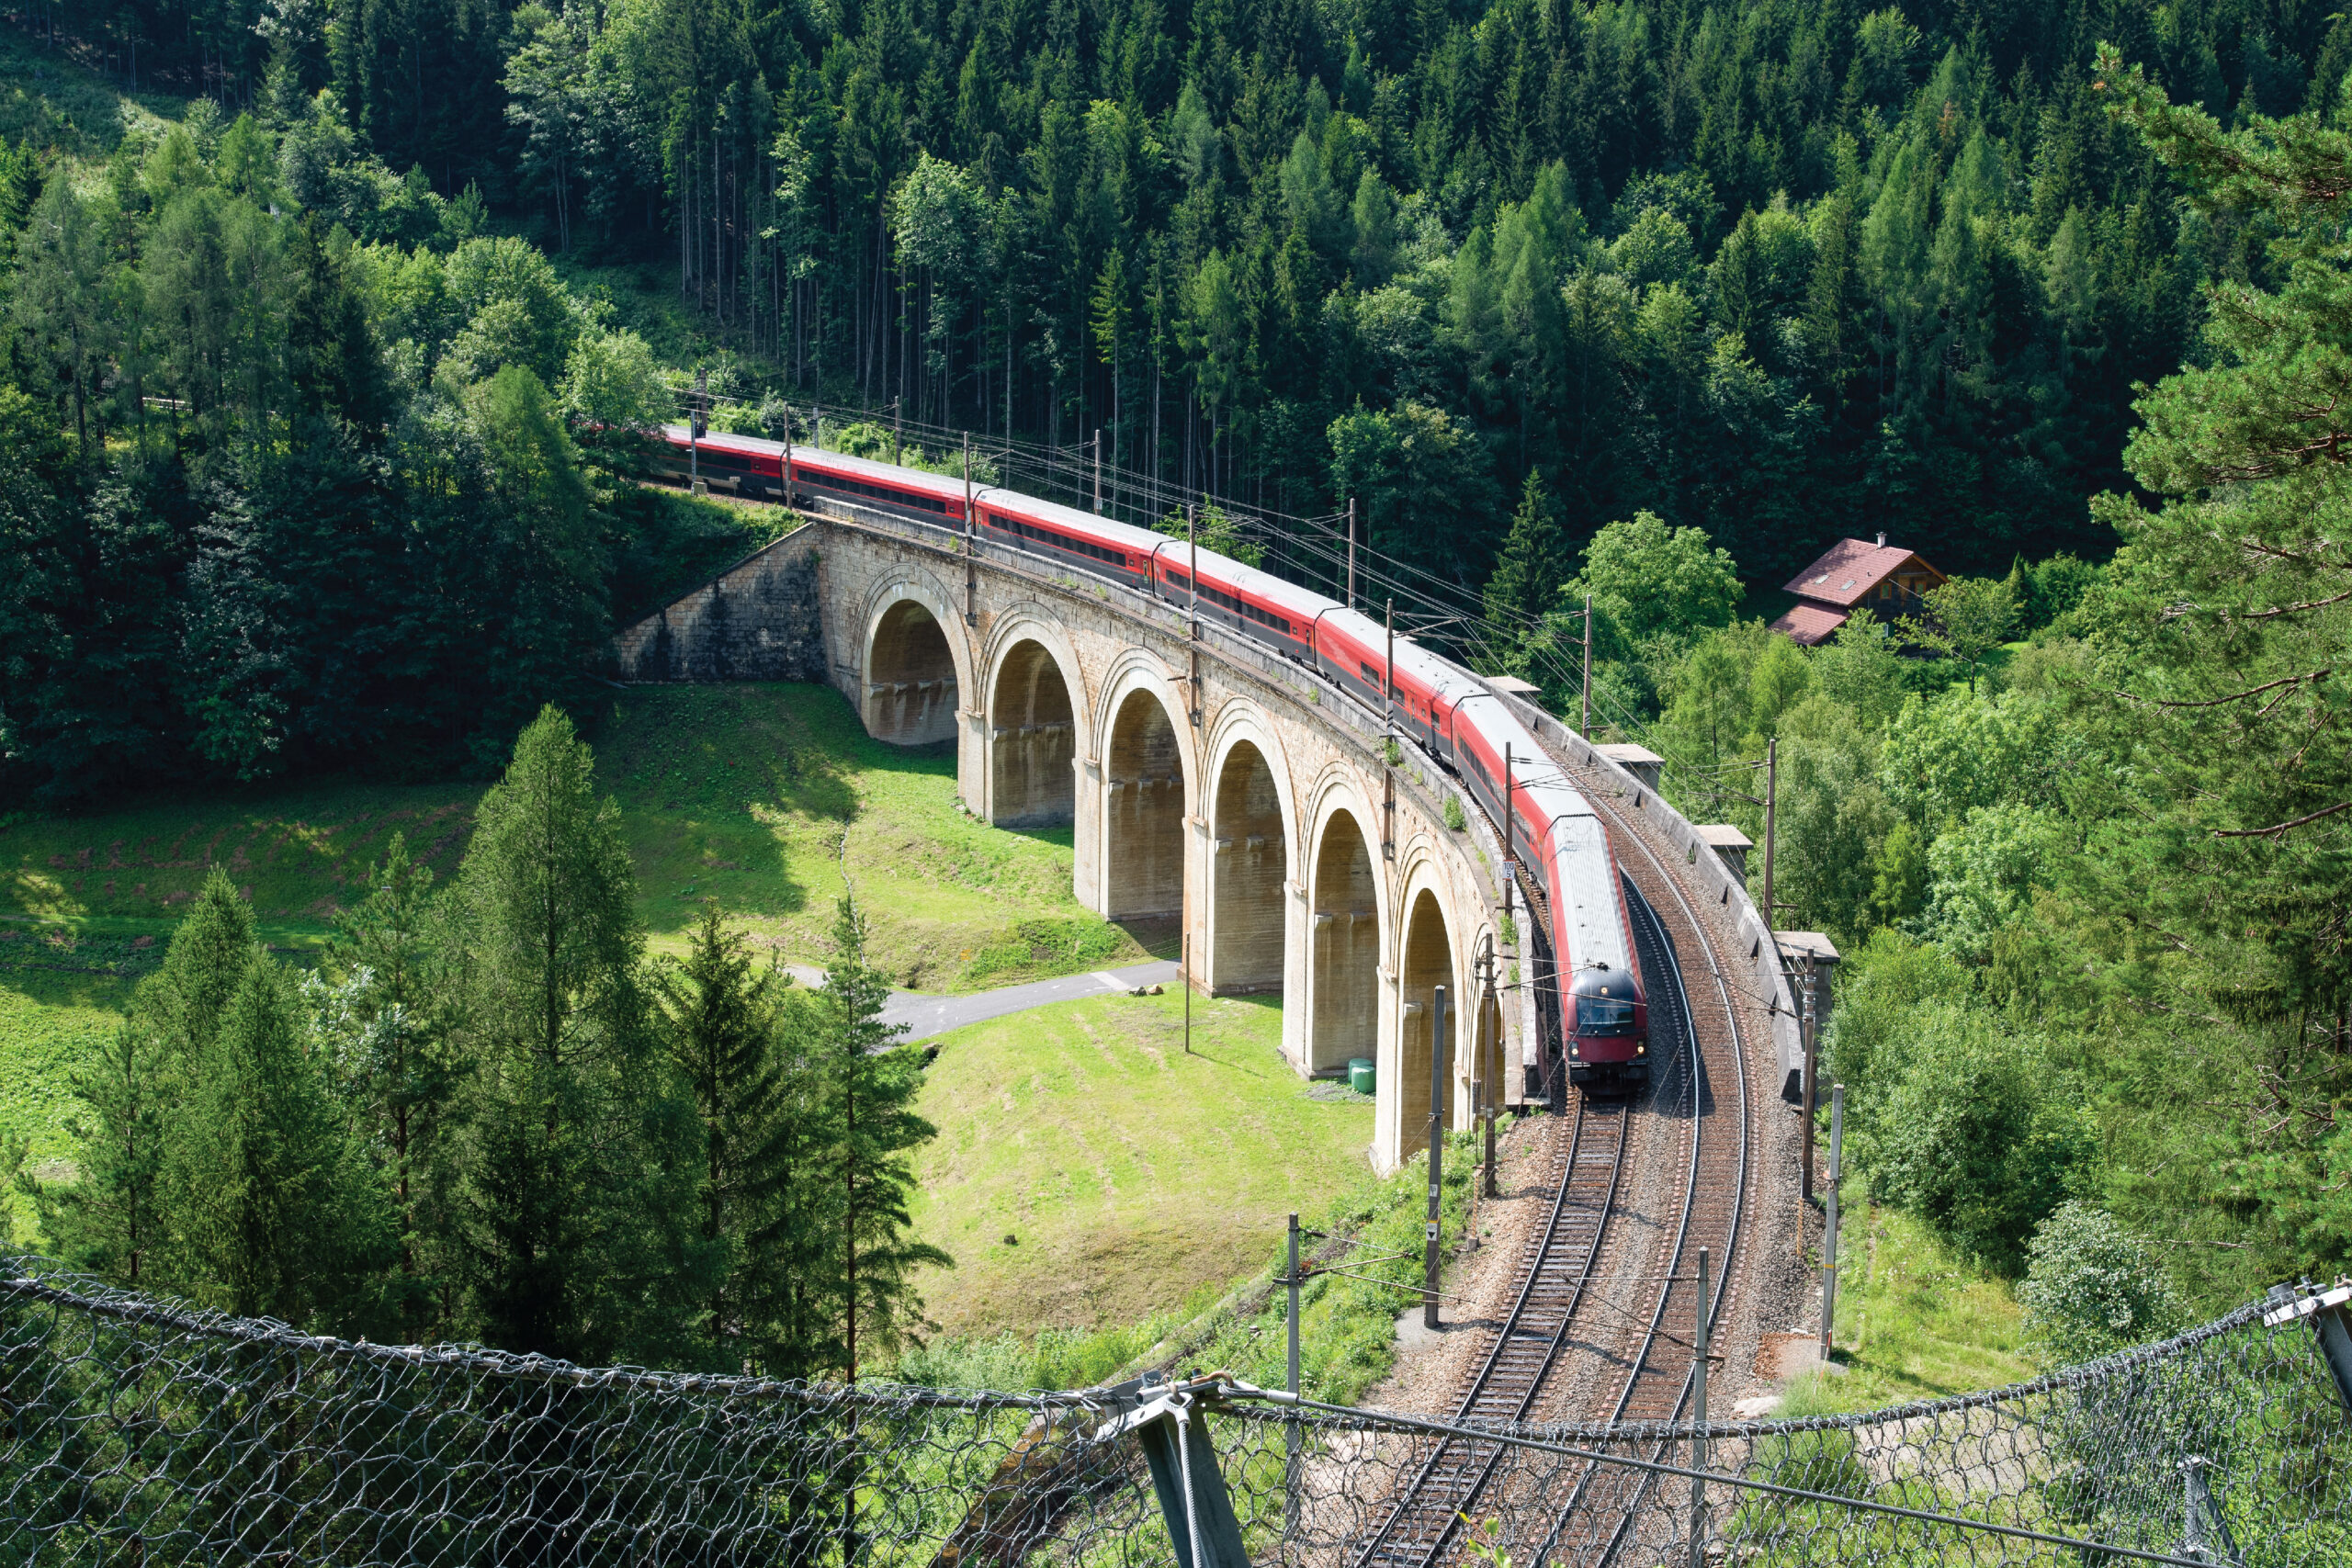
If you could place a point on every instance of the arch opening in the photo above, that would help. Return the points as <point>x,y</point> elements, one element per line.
<point>1247,915</point>
<point>910,679</point>
<point>1345,1021</point>
<point>1429,963</point>
<point>1143,781</point>
<point>1033,736</point>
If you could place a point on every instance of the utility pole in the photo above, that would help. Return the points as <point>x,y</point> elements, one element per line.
<point>1098,470</point>
<point>1586,731</point>
<point>1437,1154</point>
<point>1829,1235</point>
<point>1490,1017</point>
<point>787,456</point>
<point>1510,872</point>
<point>1805,1030</point>
<point>1388,676</point>
<point>971,543</point>
<point>1352,553</point>
<point>1192,631</point>
<point>1388,739</point>
<point>1699,1430</point>
<point>897,425</point>
<point>1771,829</point>
<point>695,426</point>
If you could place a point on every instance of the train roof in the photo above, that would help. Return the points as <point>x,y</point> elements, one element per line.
<point>946,485</point>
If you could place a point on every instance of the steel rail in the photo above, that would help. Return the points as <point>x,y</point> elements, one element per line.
<point>1457,1478</point>
<point>1669,965</point>
<point>1737,1041</point>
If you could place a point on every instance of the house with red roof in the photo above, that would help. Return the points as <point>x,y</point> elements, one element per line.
<point>1886,579</point>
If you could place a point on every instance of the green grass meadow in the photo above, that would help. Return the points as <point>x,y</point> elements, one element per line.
<point>1915,1320</point>
<point>1088,1171</point>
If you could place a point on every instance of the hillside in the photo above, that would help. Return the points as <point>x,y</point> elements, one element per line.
<point>759,796</point>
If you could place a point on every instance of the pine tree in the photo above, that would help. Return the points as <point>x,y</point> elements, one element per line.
<point>870,1089</point>
<point>1535,561</point>
<point>575,1180</point>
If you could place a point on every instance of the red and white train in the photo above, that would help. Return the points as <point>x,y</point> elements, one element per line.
<point>1605,1014</point>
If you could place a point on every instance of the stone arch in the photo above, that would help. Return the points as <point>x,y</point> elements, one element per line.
<point>1035,715</point>
<point>1147,795</point>
<point>1248,816</point>
<point>914,667</point>
<point>1425,962</point>
<point>1346,901</point>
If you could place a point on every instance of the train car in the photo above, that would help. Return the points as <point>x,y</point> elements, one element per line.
<point>1065,534</point>
<point>753,467</point>
<point>1565,847</point>
<point>1257,605</point>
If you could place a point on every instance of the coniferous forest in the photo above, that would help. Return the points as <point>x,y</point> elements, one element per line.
<point>1782,271</point>
<point>314,408</point>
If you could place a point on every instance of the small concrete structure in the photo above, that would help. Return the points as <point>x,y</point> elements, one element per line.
<point>1796,948</point>
<point>1728,842</point>
<point>1638,760</point>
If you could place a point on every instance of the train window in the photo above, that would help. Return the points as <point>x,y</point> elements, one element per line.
<point>1267,618</point>
<point>878,492</point>
<point>1369,674</point>
<point>1052,540</point>
<point>1604,1015</point>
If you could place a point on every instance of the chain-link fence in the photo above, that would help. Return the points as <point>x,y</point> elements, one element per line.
<point>134,1431</point>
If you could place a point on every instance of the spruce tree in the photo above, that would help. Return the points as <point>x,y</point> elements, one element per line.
<point>108,1221</point>
<point>210,950</point>
<point>731,1031</point>
<point>1535,562</point>
<point>575,1181</point>
<point>398,1072</point>
<point>265,1206</point>
<point>869,1091</point>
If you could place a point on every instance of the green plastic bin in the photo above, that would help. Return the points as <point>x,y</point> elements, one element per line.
<point>1360,1074</point>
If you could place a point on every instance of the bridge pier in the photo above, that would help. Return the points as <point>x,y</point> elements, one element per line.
<point>1254,803</point>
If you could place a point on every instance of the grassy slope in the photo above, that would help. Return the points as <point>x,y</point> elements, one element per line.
<point>1914,1322</point>
<point>55,102</point>
<point>1133,1175</point>
<point>741,793</point>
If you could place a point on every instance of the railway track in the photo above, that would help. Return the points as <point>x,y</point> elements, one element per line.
<point>1423,1523</point>
<point>1705,1090</point>
<point>1603,1512</point>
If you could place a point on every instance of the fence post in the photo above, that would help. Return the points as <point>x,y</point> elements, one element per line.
<point>2326,1313</point>
<point>1191,1494</point>
<point>1437,1154</point>
<point>2205,1534</point>
<point>1698,1426</point>
<point>1290,1431</point>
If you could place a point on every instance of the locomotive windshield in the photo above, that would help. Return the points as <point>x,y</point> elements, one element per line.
<point>1604,1015</point>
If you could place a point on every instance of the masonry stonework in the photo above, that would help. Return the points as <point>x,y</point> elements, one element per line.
<point>1204,779</point>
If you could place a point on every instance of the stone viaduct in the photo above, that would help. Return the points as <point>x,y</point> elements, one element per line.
<point>1206,780</point>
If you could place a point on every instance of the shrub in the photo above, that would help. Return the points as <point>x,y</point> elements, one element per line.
<point>2091,1286</point>
<point>1975,1139</point>
<point>1455,818</point>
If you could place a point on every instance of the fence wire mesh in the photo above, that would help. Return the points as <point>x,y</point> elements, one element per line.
<point>138,1430</point>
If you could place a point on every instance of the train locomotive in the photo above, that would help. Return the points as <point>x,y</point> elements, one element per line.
<point>1562,847</point>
